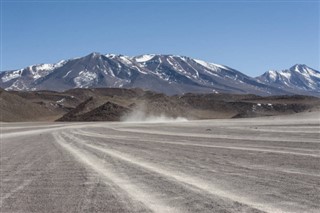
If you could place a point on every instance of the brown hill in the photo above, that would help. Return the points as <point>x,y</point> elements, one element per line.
<point>110,104</point>
<point>16,108</point>
<point>85,111</point>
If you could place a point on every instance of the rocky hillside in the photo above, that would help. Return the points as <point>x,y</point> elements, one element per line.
<point>119,104</point>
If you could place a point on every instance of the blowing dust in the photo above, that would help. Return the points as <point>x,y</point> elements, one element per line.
<point>139,114</point>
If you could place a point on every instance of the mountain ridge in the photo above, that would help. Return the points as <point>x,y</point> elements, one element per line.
<point>169,74</point>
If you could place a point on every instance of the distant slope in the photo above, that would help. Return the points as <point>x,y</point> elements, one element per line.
<point>16,108</point>
<point>299,79</point>
<point>114,104</point>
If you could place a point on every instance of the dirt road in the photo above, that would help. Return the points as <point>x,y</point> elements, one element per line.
<point>242,165</point>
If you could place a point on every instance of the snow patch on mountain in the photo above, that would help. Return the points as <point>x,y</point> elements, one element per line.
<point>139,69</point>
<point>85,79</point>
<point>125,60</point>
<point>273,75</point>
<point>285,74</point>
<point>111,55</point>
<point>42,70</point>
<point>18,85</point>
<point>207,65</point>
<point>144,58</point>
<point>67,73</point>
<point>11,75</point>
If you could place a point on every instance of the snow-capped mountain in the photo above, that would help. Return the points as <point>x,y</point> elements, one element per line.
<point>299,79</point>
<point>170,74</point>
<point>20,79</point>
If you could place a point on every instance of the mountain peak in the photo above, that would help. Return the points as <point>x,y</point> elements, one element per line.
<point>93,55</point>
<point>298,67</point>
<point>299,77</point>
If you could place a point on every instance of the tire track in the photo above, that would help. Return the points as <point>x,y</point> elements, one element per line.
<point>89,134</point>
<point>238,165</point>
<point>96,164</point>
<point>182,179</point>
<point>40,131</point>
<point>196,135</point>
<point>184,196</point>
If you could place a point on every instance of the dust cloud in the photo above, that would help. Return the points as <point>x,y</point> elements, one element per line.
<point>139,114</point>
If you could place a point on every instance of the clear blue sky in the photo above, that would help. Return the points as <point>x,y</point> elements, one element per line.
<point>250,36</point>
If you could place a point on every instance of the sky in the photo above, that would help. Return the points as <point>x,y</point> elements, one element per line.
<point>250,36</point>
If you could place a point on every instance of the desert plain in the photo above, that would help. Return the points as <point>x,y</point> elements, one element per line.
<point>265,164</point>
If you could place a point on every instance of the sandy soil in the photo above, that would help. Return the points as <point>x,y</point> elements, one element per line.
<point>267,164</point>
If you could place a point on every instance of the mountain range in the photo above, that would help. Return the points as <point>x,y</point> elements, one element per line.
<point>169,74</point>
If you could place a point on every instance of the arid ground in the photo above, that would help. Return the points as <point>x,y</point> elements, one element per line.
<point>268,164</point>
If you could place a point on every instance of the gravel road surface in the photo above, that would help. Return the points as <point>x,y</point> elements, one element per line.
<point>243,165</point>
